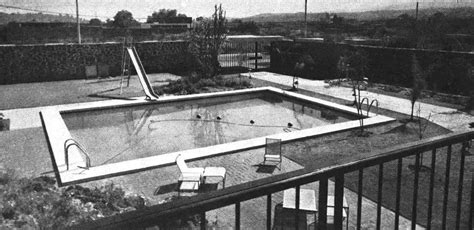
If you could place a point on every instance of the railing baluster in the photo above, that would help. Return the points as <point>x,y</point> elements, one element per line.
<point>397,199</point>
<point>237,215</point>
<point>430,199</point>
<point>460,187</point>
<point>256,54</point>
<point>415,191</point>
<point>297,206</point>
<point>322,204</point>
<point>359,198</point>
<point>202,216</point>
<point>446,188</point>
<point>379,197</point>
<point>471,208</point>
<point>269,211</point>
<point>338,201</point>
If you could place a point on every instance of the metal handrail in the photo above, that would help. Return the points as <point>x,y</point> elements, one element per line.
<point>264,187</point>
<point>370,106</point>
<point>360,105</point>
<point>66,152</point>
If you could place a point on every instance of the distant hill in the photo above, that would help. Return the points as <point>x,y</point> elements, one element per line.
<point>463,10</point>
<point>36,17</point>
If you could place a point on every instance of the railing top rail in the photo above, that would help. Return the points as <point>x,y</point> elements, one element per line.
<point>261,187</point>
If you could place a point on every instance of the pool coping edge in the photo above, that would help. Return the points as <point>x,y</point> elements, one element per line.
<point>57,134</point>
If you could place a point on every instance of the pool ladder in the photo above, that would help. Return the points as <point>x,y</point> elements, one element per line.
<point>369,106</point>
<point>71,142</point>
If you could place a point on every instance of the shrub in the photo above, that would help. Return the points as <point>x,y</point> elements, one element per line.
<point>194,84</point>
<point>39,204</point>
<point>107,200</point>
<point>206,82</point>
<point>36,203</point>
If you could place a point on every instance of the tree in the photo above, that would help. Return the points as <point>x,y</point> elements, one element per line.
<point>109,22</point>
<point>207,37</point>
<point>124,19</point>
<point>418,83</point>
<point>353,65</point>
<point>95,22</point>
<point>164,14</point>
<point>337,20</point>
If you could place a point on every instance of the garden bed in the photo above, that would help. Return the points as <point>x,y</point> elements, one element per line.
<point>430,97</point>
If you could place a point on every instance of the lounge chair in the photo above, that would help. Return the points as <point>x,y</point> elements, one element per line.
<point>184,169</point>
<point>198,174</point>
<point>190,179</point>
<point>273,153</point>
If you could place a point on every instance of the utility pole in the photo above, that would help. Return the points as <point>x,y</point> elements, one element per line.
<point>416,26</point>
<point>78,23</point>
<point>416,14</point>
<point>305,18</point>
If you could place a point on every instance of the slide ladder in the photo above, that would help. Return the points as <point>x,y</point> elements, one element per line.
<point>144,80</point>
<point>125,67</point>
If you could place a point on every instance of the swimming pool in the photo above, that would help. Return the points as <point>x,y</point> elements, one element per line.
<point>132,136</point>
<point>114,135</point>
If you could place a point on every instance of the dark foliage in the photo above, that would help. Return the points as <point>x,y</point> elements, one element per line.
<point>164,15</point>
<point>194,84</point>
<point>124,19</point>
<point>107,200</point>
<point>39,204</point>
<point>207,38</point>
<point>418,83</point>
<point>95,22</point>
<point>447,72</point>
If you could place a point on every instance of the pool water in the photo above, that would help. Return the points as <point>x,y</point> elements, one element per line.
<point>119,134</point>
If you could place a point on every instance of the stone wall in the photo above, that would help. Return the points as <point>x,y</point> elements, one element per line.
<point>38,63</point>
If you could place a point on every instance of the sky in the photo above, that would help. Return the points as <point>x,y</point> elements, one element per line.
<point>140,9</point>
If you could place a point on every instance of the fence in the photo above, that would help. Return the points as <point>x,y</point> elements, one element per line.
<point>448,157</point>
<point>247,55</point>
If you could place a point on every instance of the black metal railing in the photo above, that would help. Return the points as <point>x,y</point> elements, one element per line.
<point>382,160</point>
<point>245,55</point>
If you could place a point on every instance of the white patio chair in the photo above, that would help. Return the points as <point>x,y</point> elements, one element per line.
<point>273,153</point>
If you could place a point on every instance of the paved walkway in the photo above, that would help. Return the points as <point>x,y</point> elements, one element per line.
<point>451,119</point>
